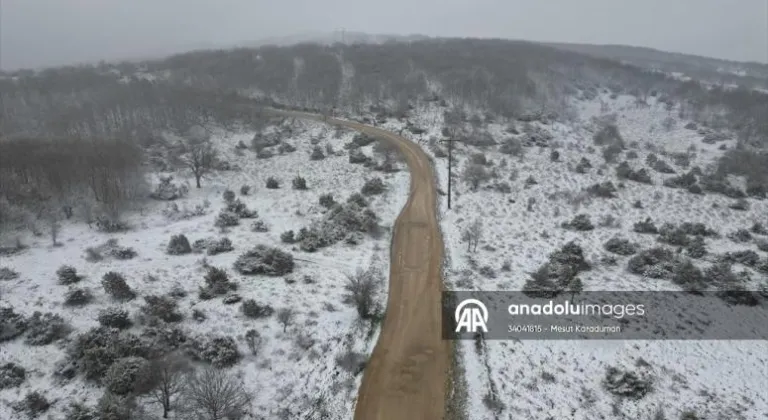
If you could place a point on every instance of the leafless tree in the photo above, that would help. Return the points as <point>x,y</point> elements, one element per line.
<point>475,175</point>
<point>214,394</point>
<point>165,381</point>
<point>362,289</point>
<point>286,317</point>
<point>472,235</point>
<point>199,155</point>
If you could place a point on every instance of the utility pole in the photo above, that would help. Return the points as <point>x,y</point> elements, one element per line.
<point>450,163</point>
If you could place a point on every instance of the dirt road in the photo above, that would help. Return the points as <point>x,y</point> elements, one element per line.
<point>405,379</point>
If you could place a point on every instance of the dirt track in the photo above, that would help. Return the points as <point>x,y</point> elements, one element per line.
<point>406,376</point>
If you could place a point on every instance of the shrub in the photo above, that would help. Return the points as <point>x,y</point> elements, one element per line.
<point>669,234</point>
<point>357,199</point>
<point>8,274</point>
<point>115,318</point>
<point>558,273</point>
<point>608,134</point>
<point>241,210</point>
<point>33,404</point>
<point>125,373</point>
<point>285,148</point>
<point>228,196</point>
<point>696,247</point>
<point>626,384</point>
<point>288,237</point>
<point>227,219</point>
<point>583,165</point>
<point>747,257</point>
<point>259,226</point>
<point>115,286</point>
<point>721,275</point>
<point>688,276</point>
<point>373,186</point>
<point>603,190</point>
<point>178,245</point>
<point>620,246</point>
<point>11,375</point>
<point>361,291</point>
<point>272,183</point>
<point>740,235</point>
<point>95,350</point>
<point>611,153</point>
<point>686,180</point>
<point>251,309</point>
<point>110,226</point>
<point>299,183</point>
<point>220,246</point>
<point>121,253</point>
<point>512,146</point>
<point>662,167</point>
<point>357,157</point>
<point>116,407</point>
<point>352,362</point>
<point>327,201</point>
<point>758,229</point>
<point>655,263</point>
<point>166,190</point>
<point>67,275</point>
<point>265,260</point>
<point>161,307</point>
<point>77,297</point>
<point>317,153</point>
<point>580,222</point>
<point>217,281</point>
<point>245,190</point>
<point>80,411</point>
<point>646,226</point>
<point>220,351</point>
<point>45,328</point>
<point>740,204</point>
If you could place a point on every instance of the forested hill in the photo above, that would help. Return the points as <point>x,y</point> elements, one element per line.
<point>506,78</point>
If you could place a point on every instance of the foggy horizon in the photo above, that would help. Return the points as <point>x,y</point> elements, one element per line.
<point>49,33</point>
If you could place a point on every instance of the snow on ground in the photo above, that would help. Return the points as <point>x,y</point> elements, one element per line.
<point>285,375</point>
<point>562,379</point>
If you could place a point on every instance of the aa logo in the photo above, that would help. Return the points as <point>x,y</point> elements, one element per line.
<point>471,315</point>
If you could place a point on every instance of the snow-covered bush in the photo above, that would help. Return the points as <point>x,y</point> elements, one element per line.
<point>77,296</point>
<point>627,384</point>
<point>228,196</point>
<point>12,324</point>
<point>116,407</point>
<point>67,275</point>
<point>219,246</point>
<point>688,276</point>
<point>327,201</point>
<point>620,246</point>
<point>357,157</point>
<point>33,404</point>
<point>373,186</point>
<point>239,208</point>
<point>80,411</point>
<point>740,236</point>
<point>580,222</point>
<point>259,226</point>
<point>272,183</point>
<point>167,190</point>
<point>253,310</point>
<point>95,350</point>
<point>602,190</point>
<point>161,307</point>
<point>125,373</point>
<point>217,282</point>
<point>288,237</point>
<point>178,245</point>
<point>220,351</point>
<point>299,183</point>
<point>558,273</point>
<point>655,263</point>
<point>645,226</point>
<point>245,190</point>
<point>264,260</point>
<point>11,375</point>
<point>45,328</point>
<point>317,153</point>
<point>358,199</point>
<point>115,318</point>
<point>115,286</point>
<point>227,218</point>
<point>8,274</point>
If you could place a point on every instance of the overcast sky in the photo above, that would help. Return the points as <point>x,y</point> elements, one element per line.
<point>53,32</point>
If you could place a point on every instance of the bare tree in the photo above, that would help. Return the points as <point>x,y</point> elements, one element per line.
<point>214,394</point>
<point>472,235</point>
<point>362,289</point>
<point>199,154</point>
<point>475,175</point>
<point>165,381</point>
<point>286,317</point>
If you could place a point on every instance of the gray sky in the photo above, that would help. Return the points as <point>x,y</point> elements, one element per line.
<point>53,32</point>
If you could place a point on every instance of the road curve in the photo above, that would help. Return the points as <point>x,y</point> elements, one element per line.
<point>406,375</point>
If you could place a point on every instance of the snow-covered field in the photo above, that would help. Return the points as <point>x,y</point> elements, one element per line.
<point>562,379</point>
<point>295,371</point>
